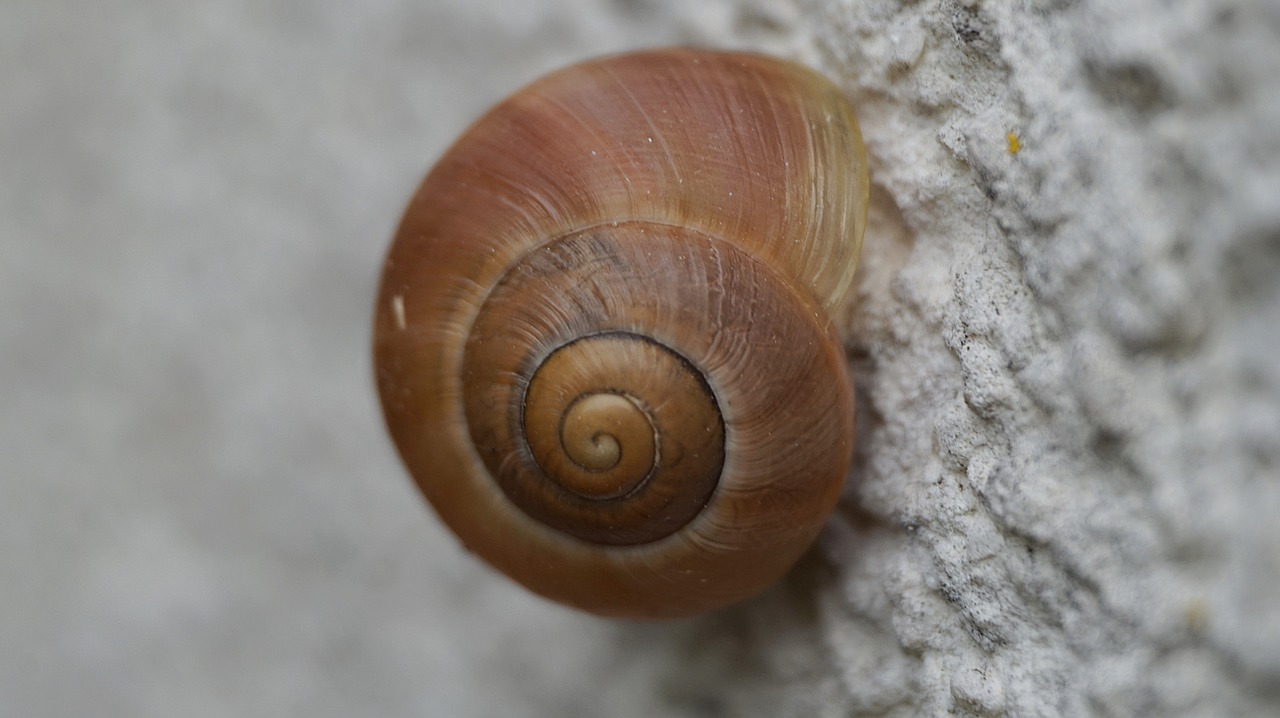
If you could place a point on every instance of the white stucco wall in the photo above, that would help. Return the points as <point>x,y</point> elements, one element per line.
<point>1068,361</point>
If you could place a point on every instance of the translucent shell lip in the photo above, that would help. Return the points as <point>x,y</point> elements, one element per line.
<point>732,187</point>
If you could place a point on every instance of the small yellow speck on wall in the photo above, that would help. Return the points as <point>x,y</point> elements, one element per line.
<point>1014,143</point>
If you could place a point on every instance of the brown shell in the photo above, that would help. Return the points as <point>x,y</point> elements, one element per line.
<point>602,338</point>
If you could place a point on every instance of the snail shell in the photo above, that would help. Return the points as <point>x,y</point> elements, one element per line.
<point>602,336</point>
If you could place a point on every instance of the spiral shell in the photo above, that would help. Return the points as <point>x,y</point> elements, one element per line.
<point>602,337</point>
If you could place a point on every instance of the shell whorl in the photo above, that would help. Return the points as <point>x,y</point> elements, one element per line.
<point>603,341</point>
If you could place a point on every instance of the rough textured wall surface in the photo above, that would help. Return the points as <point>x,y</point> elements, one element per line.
<point>1071,473</point>
<point>1065,342</point>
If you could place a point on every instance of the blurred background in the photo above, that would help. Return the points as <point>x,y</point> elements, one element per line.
<point>201,515</point>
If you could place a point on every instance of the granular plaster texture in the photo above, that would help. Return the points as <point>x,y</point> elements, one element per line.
<point>1067,345</point>
<point>1066,340</point>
